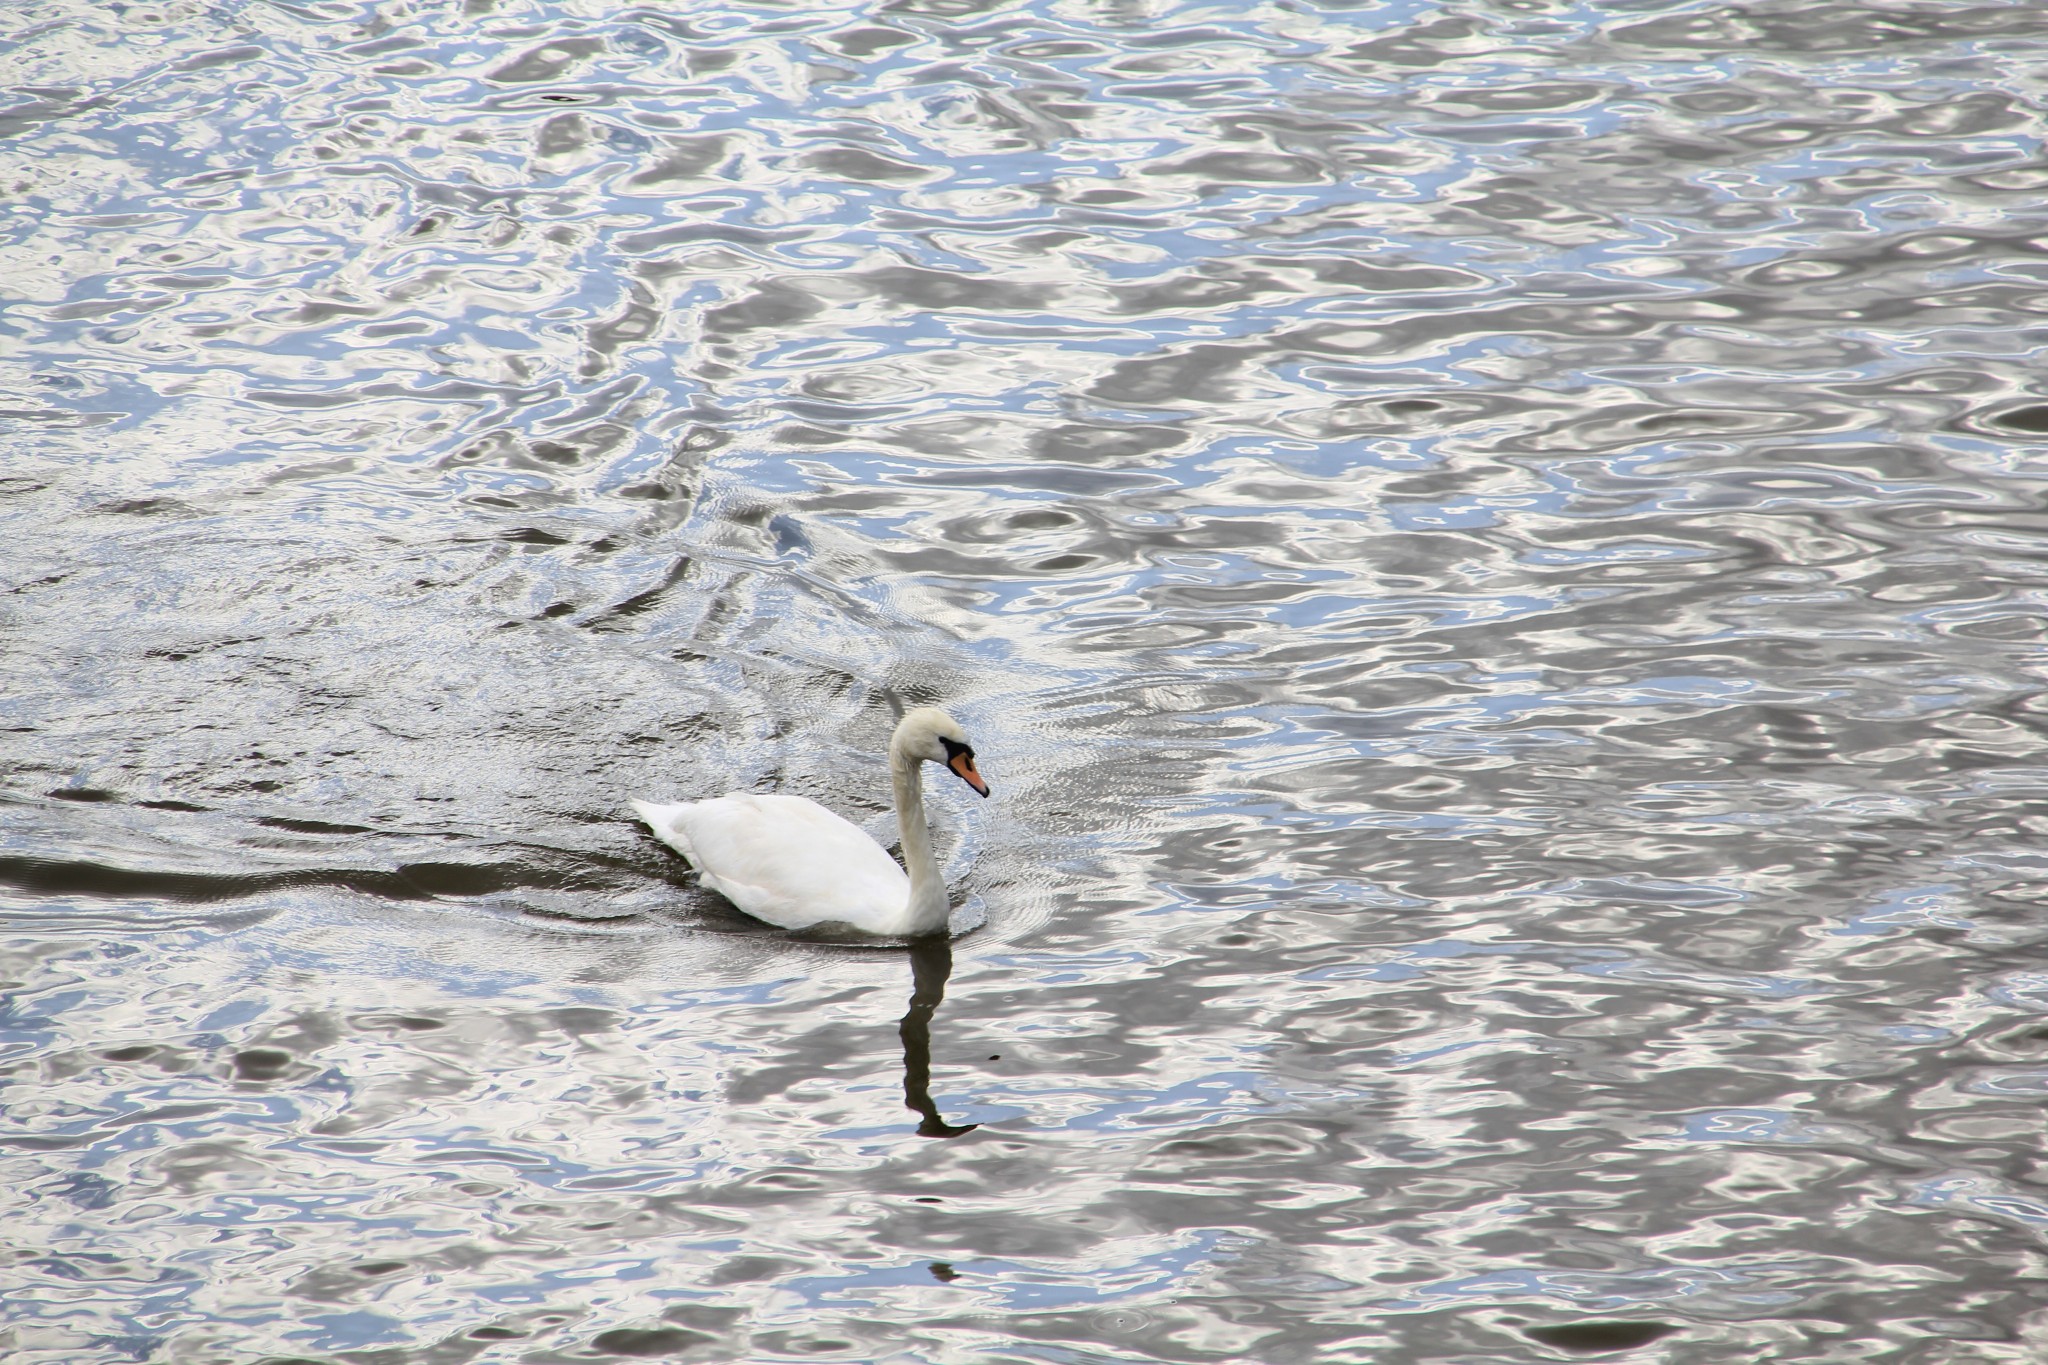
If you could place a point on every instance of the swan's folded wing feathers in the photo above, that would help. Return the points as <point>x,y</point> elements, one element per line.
<point>784,859</point>
<point>661,819</point>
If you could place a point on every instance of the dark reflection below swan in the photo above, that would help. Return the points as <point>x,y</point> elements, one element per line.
<point>931,966</point>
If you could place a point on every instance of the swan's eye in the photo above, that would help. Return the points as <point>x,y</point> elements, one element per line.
<point>955,749</point>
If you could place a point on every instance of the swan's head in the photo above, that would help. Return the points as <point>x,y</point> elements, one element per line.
<point>929,735</point>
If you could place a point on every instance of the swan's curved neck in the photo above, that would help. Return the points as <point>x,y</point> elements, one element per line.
<point>928,911</point>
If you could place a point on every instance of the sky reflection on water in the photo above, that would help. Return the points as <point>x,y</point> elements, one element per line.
<point>1490,549</point>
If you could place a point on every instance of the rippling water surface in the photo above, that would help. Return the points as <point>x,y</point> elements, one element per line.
<point>1492,551</point>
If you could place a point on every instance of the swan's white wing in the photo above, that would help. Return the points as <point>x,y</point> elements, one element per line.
<point>786,860</point>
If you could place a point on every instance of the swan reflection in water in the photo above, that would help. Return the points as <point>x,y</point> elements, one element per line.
<point>931,965</point>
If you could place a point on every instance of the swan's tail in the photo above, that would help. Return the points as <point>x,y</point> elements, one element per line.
<point>662,820</point>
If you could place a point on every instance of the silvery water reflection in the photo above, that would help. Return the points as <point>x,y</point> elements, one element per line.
<point>1496,544</point>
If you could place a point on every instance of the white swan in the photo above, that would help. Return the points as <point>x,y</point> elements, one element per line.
<point>791,862</point>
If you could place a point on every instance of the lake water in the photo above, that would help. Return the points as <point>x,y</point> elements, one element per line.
<point>1493,553</point>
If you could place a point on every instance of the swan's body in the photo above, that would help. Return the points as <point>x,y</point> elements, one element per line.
<point>791,862</point>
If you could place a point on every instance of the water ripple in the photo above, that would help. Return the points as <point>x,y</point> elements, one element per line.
<point>1491,555</point>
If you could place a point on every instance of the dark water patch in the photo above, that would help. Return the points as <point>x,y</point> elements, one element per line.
<point>1598,1338</point>
<point>408,1022</point>
<point>412,881</point>
<point>2031,420</point>
<point>301,826</point>
<point>644,600</point>
<point>648,1343</point>
<point>533,535</point>
<point>261,1064</point>
<point>149,507</point>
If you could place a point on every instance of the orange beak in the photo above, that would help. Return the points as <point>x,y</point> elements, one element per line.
<point>963,768</point>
